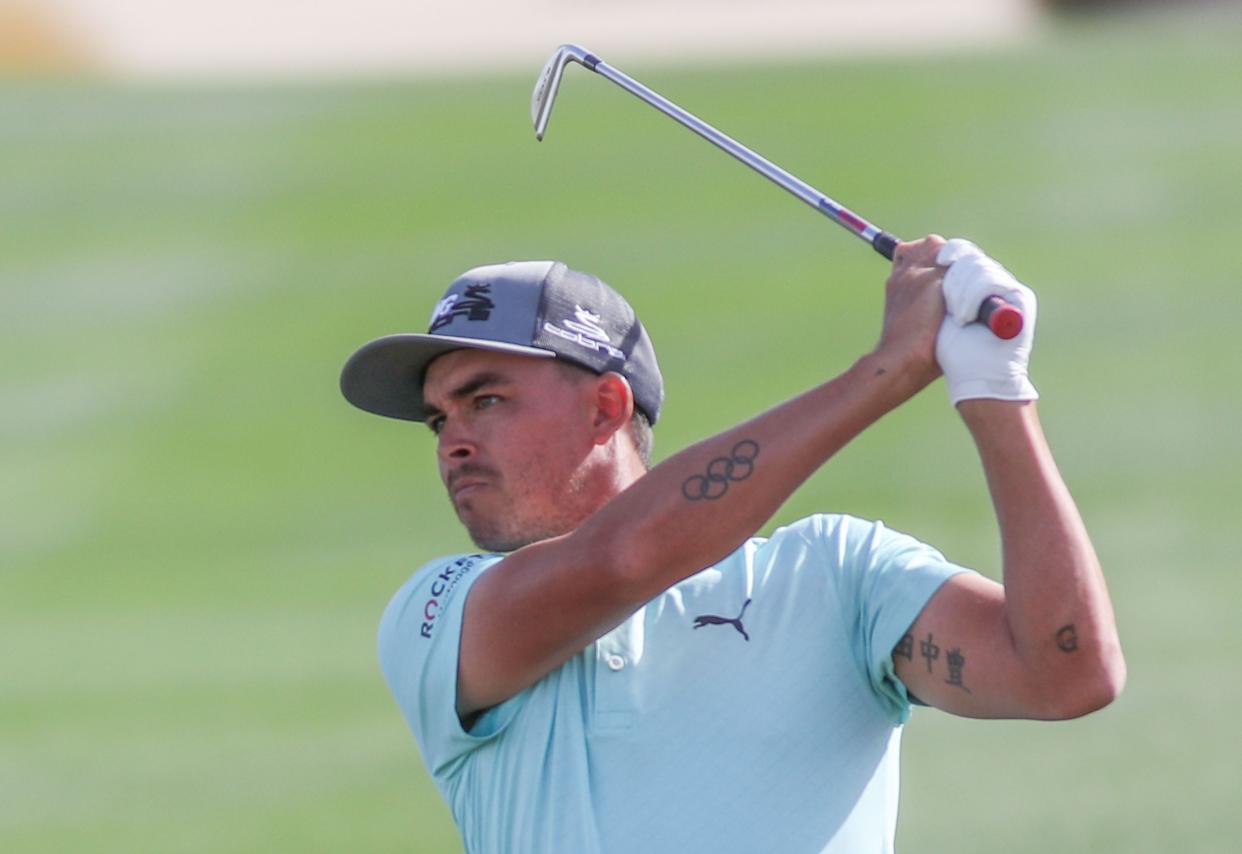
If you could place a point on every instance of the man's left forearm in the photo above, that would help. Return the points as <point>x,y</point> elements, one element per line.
<point>1056,602</point>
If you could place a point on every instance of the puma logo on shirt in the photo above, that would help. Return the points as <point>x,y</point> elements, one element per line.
<point>713,620</point>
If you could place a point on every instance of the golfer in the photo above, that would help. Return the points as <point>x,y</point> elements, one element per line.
<point>623,666</point>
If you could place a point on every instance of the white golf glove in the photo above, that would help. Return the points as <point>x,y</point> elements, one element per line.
<point>975,362</point>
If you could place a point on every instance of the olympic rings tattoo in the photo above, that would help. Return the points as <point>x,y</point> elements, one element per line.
<point>714,483</point>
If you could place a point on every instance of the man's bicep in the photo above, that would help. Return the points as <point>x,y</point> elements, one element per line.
<point>958,654</point>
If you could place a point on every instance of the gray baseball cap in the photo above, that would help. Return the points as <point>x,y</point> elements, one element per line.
<point>533,308</point>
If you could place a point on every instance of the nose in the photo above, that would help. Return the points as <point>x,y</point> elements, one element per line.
<point>454,444</point>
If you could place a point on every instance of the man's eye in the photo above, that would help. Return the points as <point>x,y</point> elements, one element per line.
<point>486,400</point>
<point>435,425</point>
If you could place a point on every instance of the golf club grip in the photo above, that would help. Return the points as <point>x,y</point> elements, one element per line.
<point>1005,320</point>
<point>885,244</point>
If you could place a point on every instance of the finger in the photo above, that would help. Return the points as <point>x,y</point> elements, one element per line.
<point>919,252</point>
<point>955,250</point>
<point>974,277</point>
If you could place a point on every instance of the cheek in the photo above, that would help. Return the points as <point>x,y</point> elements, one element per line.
<point>551,455</point>
<point>543,459</point>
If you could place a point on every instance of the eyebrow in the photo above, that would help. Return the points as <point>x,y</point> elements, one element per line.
<point>469,387</point>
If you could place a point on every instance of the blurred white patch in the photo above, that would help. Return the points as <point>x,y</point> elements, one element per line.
<point>280,37</point>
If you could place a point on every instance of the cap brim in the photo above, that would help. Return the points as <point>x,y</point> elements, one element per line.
<point>385,376</point>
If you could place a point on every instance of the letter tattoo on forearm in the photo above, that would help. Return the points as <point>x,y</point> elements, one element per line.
<point>957,663</point>
<point>930,651</point>
<point>1067,638</point>
<point>714,483</point>
<point>905,647</point>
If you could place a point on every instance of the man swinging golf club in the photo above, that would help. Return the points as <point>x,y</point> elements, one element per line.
<point>624,666</point>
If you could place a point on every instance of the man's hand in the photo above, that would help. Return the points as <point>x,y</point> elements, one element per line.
<point>913,312</point>
<point>975,362</point>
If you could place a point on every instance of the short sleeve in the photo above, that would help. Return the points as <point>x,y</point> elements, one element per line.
<point>419,641</point>
<point>888,579</point>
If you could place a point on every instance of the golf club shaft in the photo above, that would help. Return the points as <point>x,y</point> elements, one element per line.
<point>1003,319</point>
<point>799,188</point>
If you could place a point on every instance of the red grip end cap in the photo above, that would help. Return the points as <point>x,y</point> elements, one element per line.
<point>1006,322</point>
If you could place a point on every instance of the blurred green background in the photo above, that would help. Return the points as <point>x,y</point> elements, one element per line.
<point>199,534</point>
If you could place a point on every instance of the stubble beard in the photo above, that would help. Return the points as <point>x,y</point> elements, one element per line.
<point>505,530</point>
<point>494,539</point>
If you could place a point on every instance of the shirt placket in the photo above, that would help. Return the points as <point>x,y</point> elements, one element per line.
<point>618,656</point>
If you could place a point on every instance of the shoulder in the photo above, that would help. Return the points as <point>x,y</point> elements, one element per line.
<point>815,550</point>
<point>418,641</point>
<point>418,605</point>
<point>838,531</point>
<point>846,548</point>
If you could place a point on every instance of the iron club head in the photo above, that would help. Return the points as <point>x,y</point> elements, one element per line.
<point>549,81</point>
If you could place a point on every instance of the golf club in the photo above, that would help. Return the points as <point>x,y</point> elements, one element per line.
<point>1003,319</point>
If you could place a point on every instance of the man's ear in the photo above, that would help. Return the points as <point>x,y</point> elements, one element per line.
<point>614,405</point>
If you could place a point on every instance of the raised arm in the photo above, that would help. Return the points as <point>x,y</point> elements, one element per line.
<point>1045,644</point>
<point>544,603</point>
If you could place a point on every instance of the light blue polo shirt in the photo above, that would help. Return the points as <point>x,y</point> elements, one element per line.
<point>686,729</point>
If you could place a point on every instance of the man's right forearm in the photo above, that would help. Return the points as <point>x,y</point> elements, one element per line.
<point>724,488</point>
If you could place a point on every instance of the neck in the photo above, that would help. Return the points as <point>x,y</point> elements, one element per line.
<point>610,471</point>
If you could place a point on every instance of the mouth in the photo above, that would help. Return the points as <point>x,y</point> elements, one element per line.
<point>464,488</point>
<point>463,483</point>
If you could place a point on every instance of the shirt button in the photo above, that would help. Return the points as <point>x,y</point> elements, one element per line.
<point>615,662</point>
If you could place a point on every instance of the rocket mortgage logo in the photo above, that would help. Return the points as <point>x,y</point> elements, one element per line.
<point>442,587</point>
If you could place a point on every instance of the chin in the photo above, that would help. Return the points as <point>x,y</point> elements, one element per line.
<point>497,540</point>
<point>499,529</point>
<point>487,536</point>
<point>492,542</point>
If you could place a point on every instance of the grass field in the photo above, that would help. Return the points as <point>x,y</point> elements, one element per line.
<point>198,534</point>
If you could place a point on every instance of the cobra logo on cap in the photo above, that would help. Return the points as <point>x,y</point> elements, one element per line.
<point>584,330</point>
<point>587,324</point>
